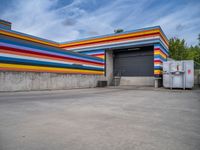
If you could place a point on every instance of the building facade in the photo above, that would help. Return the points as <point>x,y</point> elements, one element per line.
<point>135,57</point>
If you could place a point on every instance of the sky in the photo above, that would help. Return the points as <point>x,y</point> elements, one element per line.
<point>66,20</point>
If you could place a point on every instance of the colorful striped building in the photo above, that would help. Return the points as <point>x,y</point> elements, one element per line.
<point>148,36</point>
<point>134,53</point>
<point>22,52</point>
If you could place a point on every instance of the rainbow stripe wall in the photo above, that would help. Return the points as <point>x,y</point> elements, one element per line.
<point>160,55</point>
<point>22,52</point>
<point>142,37</point>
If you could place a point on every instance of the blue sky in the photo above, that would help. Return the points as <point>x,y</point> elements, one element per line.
<point>65,20</point>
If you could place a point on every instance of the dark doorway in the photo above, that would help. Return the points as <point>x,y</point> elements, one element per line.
<point>134,61</point>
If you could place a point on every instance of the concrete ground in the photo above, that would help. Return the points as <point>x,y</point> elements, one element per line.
<point>124,118</point>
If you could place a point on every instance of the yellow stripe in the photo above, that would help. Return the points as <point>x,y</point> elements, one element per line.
<point>27,38</point>
<point>39,68</point>
<point>101,57</point>
<point>157,72</point>
<point>114,37</point>
<point>158,53</point>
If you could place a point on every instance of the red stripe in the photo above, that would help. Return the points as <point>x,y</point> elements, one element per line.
<point>51,55</point>
<point>157,61</point>
<point>97,55</point>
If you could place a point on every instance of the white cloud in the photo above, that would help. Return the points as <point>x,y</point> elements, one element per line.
<point>183,23</point>
<point>74,21</point>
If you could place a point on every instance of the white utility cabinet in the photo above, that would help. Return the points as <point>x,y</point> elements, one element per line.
<point>178,74</point>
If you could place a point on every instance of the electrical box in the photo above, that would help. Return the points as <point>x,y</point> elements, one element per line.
<point>178,74</point>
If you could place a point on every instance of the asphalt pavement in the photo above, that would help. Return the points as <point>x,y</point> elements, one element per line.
<point>123,118</point>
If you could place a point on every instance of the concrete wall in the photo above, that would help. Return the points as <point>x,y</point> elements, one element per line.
<point>109,66</point>
<point>26,81</point>
<point>147,81</point>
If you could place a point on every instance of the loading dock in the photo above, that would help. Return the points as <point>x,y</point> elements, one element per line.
<point>131,65</point>
<point>135,56</point>
<point>134,61</point>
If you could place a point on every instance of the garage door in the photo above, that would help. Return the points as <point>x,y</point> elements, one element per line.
<point>129,62</point>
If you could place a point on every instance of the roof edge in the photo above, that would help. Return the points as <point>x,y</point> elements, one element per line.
<point>59,44</point>
<point>112,34</point>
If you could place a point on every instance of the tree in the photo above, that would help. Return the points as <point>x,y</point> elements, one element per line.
<point>118,30</point>
<point>193,53</point>
<point>177,49</point>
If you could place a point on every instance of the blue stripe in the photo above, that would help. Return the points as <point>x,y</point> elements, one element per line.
<point>158,67</point>
<point>51,64</point>
<point>159,57</point>
<point>155,56</point>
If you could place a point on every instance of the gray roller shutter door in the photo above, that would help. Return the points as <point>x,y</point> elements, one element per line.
<point>134,63</point>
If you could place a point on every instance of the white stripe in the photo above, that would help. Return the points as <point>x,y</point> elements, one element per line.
<point>158,65</point>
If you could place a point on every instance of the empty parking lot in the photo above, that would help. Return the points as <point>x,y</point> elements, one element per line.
<point>123,118</point>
